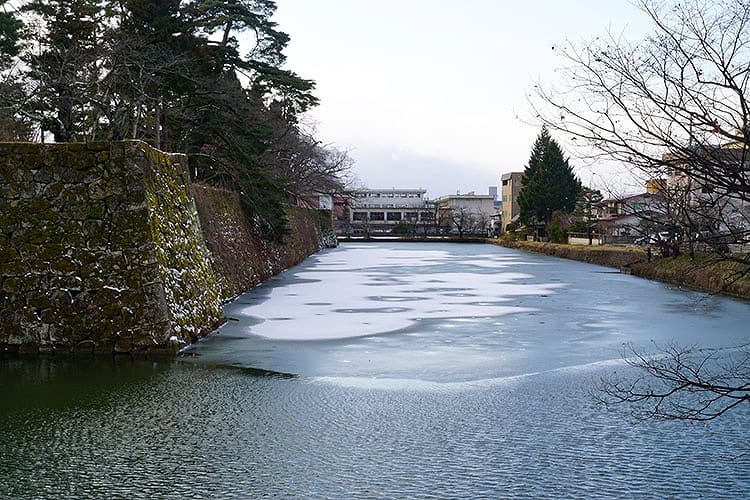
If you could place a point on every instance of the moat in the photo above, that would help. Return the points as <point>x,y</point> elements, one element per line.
<point>385,370</point>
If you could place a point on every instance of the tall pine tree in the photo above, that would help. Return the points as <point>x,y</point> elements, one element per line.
<point>10,33</point>
<point>171,73</point>
<point>13,126</point>
<point>65,70</point>
<point>549,183</point>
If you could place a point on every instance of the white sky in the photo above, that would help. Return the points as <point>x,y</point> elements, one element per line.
<point>432,93</point>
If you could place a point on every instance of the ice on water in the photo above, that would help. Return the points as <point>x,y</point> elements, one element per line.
<point>393,289</point>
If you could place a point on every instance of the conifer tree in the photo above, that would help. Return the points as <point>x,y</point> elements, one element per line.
<point>65,69</point>
<point>10,33</point>
<point>549,183</point>
<point>12,125</point>
<point>169,73</point>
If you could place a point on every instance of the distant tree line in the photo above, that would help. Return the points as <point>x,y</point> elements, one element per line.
<point>172,73</point>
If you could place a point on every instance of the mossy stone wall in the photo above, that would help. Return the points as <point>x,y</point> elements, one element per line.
<point>242,258</point>
<point>101,250</point>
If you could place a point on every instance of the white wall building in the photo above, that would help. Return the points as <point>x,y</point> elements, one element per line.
<point>380,210</point>
<point>472,211</point>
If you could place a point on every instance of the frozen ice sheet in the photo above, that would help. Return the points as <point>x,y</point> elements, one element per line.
<point>321,303</point>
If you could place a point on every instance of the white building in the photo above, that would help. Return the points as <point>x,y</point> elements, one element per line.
<point>380,210</point>
<point>470,213</point>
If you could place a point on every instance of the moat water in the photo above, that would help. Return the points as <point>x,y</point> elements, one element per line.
<point>386,370</point>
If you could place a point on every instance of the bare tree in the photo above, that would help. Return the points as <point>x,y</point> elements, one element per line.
<point>430,219</point>
<point>683,383</point>
<point>463,220</point>
<point>673,106</point>
<point>484,222</point>
<point>307,165</point>
<point>411,221</point>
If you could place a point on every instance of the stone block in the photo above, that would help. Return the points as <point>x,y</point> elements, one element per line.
<point>64,266</point>
<point>11,284</point>
<point>83,227</point>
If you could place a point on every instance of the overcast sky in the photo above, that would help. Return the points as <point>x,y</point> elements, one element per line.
<point>431,93</point>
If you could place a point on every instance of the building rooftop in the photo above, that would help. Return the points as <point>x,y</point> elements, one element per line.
<point>468,196</point>
<point>389,190</point>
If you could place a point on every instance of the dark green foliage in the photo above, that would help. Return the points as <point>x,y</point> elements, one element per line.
<point>578,226</point>
<point>587,202</point>
<point>512,226</point>
<point>13,127</point>
<point>65,68</point>
<point>586,210</point>
<point>512,232</point>
<point>168,73</point>
<point>263,198</point>
<point>556,233</point>
<point>557,229</point>
<point>10,34</point>
<point>549,183</point>
<point>401,228</point>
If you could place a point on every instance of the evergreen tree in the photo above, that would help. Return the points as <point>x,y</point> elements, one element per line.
<point>549,183</point>
<point>10,33</point>
<point>586,205</point>
<point>170,73</point>
<point>12,125</point>
<point>65,68</point>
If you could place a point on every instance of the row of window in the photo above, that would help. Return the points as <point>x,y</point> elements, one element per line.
<point>393,216</point>
<point>389,195</point>
<point>390,205</point>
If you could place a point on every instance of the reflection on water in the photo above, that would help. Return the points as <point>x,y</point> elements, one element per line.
<point>384,371</point>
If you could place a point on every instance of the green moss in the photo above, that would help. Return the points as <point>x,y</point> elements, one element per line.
<point>8,253</point>
<point>11,284</point>
<point>145,230</point>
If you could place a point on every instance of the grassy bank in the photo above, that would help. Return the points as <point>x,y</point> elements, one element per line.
<point>704,273</point>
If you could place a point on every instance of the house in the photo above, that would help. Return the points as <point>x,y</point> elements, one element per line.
<point>316,200</point>
<point>716,206</point>
<point>627,218</point>
<point>338,204</point>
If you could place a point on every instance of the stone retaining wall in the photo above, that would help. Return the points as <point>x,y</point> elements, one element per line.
<point>241,257</point>
<point>101,250</point>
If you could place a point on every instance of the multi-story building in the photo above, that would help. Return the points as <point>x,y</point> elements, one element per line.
<point>509,190</point>
<point>470,213</point>
<point>380,210</point>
